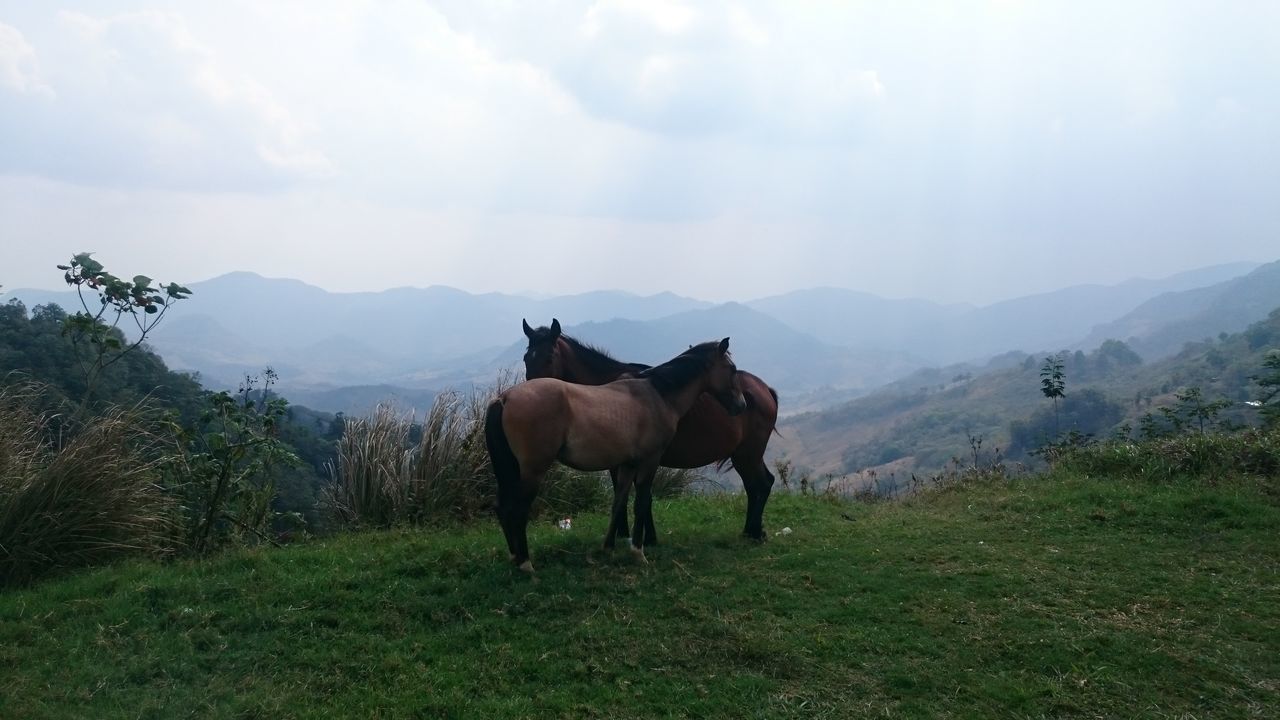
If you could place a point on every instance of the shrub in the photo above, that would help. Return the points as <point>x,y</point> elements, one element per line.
<point>1213,456</point>
<point>88,497</point>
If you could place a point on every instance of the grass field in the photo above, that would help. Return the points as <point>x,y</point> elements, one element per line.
<point>1042,597</point>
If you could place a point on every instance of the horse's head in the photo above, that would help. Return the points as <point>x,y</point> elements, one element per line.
<point>722,380</point>
<point>542,357</point>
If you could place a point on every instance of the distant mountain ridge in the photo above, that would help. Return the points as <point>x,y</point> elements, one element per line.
<point>1161,326</point>
<point>945,334</point>
<point>819,346</point>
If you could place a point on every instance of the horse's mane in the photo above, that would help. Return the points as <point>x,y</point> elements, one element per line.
<point>598,361</point>
<point>682,369</point>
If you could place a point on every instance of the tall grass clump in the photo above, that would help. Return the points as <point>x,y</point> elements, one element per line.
<point>674,482</point>
<point>82,498</point>
<point>369,478</point>
<point>383,477</point>
<point>449,467</point>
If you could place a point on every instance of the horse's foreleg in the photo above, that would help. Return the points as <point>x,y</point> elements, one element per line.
<point>622,478</point>
<point>620,516</point>
<point>644,511</point>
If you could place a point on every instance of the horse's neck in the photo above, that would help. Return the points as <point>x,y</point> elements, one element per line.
<point>681,400</point>
<point>577,370</point>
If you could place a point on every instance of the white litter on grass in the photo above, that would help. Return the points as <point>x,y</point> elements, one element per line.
<point>786,531</point>
<point>565,523</point>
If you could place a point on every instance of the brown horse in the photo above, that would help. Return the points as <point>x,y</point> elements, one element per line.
<point>625,424</point>
<point>707,434</point>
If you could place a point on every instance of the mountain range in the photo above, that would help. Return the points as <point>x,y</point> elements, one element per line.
<point>347,351</point>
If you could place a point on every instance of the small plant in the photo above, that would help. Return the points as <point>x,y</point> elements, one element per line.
<point>226,473</point>
<point>975,446</point>
<point>141,300</point>
<point>793,478</point>
<point>1053,452</point>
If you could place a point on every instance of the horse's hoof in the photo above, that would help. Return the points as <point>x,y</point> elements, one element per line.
<point>761,538</point>
<point>511,557</point>
<point>526,566</point>
<point>638,553</point>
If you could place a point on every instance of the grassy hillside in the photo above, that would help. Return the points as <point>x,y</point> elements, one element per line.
<point>1058,596</point>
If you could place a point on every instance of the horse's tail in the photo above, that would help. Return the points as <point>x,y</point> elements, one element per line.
<point>505,465</point>
<point>774,393</point>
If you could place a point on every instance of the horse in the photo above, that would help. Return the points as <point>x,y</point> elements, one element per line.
<point>707,434</point>
<point>626,424</point>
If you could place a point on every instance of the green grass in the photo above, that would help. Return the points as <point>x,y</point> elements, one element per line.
<point>1033,598</point>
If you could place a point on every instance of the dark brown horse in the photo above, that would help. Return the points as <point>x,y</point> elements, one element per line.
<point>706,435</point>
<point>626,424</point>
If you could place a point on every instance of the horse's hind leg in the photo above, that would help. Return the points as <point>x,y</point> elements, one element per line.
<point>757,481</point>
<point>504,521</point>
<point>520,530</point>
<point>516,523</point>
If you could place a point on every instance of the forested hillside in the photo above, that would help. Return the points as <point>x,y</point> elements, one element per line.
<point>35,348</point>
<point>920,423</point>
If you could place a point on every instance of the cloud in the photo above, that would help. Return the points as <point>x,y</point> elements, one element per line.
<point>717,68</point>
<point>19,69</point>
<point>668,17</point>
<point>690,71</point>
<point>142,101</point>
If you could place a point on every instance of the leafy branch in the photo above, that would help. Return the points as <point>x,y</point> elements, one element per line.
<point>140,299</point>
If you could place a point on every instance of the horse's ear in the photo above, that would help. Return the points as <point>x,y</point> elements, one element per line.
<point>528,331</point>
<point>724,346</point>
<point>555,328</point>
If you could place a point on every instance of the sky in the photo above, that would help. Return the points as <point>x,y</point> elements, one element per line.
<point>955,151</point>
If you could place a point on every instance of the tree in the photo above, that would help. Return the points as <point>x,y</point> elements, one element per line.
<point>1114,354</point>
<point>1053,384</point>
<point>1088,412</point>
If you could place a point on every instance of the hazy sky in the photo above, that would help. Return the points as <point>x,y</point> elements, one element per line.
<point>950,150</point>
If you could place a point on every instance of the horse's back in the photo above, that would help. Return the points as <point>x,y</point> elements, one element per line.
<point>588,427</point>
<point>614,424</point>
